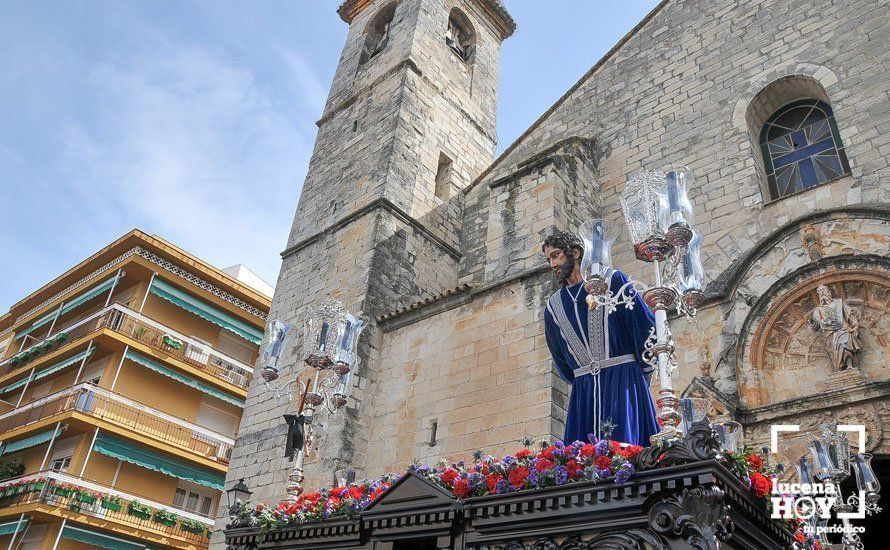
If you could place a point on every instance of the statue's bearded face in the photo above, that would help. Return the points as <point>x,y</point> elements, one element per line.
<point>561,263</point>
<point>824,295</point>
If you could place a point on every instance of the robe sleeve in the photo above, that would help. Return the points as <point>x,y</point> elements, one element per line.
<point>557,349</point>
<point>640,319</point>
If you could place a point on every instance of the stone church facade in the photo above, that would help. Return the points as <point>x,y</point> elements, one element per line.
<point>407,217</point>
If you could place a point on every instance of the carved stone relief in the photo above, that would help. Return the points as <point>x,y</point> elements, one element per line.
<point>828,323</point>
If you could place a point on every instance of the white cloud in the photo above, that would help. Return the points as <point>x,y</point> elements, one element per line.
<point>189,146</point>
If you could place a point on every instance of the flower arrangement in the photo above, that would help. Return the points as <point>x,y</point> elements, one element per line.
<point>554,464</point>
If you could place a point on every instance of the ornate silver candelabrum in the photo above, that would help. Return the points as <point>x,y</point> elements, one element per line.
<point>330,340</point>
<point>831,462</point>
<point>659,218</point>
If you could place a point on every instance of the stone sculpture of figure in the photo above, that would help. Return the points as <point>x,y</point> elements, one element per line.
<point>599,353</point>
<point>839,326</point>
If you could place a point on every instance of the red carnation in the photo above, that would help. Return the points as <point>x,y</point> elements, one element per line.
<point>543,464</point>
<point>292,509</point>
<point>755,461</point>
<point>546,452</point>
<point>602,462</point>
<point>461,488</point>
<point>800,537</point>
<point>574,469</point>
<point>356,492</point>
<point>448,476</point>
<point>338,491</point>
<point>518,476</point>
<point>631,451</point>
<point>588,450</point>
<point>760,484</point>
<point>493,480</point>
<point>523,453</point>
<point>615,446</point>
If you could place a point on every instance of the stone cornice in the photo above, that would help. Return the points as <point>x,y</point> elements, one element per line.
<point>381,203</point>
<point>494,9</point>
<point>832,399</point>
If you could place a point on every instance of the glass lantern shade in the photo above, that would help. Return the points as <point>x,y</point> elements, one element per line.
<point>866,480</point>
<point>596,264</point>
<point>729,433</point>
<point>348,332</point>
<point>320,336</point>
<point>691,273</point>
<point>831,454</point>
<point>677,180</point>
<point>804,469</point>
<point>644,204</point>
<point>278,332</point>
<point>692,410</point>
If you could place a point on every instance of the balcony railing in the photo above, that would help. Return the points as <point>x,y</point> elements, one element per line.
<point>93,499</point>
<point>156,335</point>
<point>116,409</point>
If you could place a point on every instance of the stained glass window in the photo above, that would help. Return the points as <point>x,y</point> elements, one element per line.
<point>802,147</point>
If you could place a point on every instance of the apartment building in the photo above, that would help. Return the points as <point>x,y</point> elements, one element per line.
<point>122,384</point>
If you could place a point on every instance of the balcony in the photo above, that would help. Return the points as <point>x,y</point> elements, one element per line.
<point>57,493</point>
<point>147,331</point>
<point>101,404</point>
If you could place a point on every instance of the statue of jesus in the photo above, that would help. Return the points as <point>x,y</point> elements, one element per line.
<point>599,353</point>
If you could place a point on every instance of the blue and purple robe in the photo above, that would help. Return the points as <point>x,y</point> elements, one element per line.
<point>610,382</point>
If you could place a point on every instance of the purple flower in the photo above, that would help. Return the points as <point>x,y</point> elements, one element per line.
<point>508,460</point>
<point>603,473</point>
<point>622,475</point>
<point>591,438</point>
<point>502,486</point>
<point>533,478</point>
<point>602,448</point>
<point>560,475</point>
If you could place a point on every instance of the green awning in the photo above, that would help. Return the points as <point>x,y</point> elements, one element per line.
<point>70,305</point>
<point>49,370</point>
<point>206,311</point>
<point>100,540</point>
<point>11,527</point>
<point>179,377</point>
<point>136,454</point>
<point>29,442</point>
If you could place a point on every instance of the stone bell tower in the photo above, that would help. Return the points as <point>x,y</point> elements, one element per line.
<point>410,122</point>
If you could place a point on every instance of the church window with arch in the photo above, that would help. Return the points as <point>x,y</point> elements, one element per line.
<point>377,33</point>
<point>460,36</point>
<point>802,148</point>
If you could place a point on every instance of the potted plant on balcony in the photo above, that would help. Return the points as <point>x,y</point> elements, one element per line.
<point>61,337</point>
<point>111,502</point>
<point>172,342</point>
<point>139,510</point>
<point>63,490</point>
<point>165,517</point>
<point>193,526</point>
<point>10,469</point>
<point>87,497</point>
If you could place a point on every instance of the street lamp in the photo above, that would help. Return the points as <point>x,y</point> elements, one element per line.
<point>237,496</point>
<point>660,220</point>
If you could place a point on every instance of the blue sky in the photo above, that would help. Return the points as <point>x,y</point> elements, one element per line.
<point>194,120</point>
